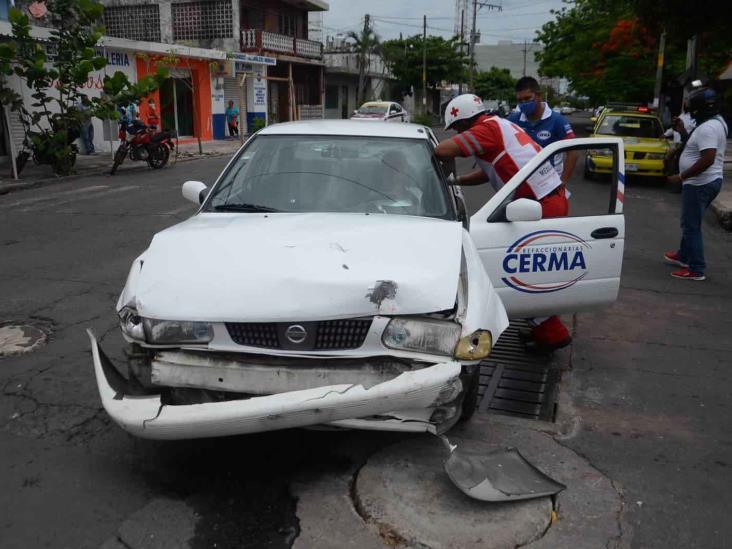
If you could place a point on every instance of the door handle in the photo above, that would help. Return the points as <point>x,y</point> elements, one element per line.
<point>604,232</point>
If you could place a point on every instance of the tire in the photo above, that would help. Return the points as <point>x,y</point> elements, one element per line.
<point>471,380</point>
<point>119,157</point>
<point>158,156</point>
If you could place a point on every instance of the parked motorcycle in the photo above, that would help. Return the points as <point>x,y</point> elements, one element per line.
<point>143,142</point>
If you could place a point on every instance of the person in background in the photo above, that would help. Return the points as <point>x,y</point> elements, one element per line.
<point>152,115</point>
<point>87,129</point>
<point>701,165</point>
<point>232,119</point>
<point>544,125</point>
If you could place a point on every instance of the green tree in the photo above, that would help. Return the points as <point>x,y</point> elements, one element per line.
<point>53,120</point>
<point>681,19</point>
<point>495,84</point>
<point>366,44</point>
<point>602,48</point>
<point>444,60</point>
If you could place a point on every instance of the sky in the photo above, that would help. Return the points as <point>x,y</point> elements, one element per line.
<point>518,20</point>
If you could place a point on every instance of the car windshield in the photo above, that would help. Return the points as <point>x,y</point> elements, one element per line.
<point>372,109</point>
<point>305,173</point>
<point>630,126</point>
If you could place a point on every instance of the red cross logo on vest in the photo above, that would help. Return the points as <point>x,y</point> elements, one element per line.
<point>454,111</point>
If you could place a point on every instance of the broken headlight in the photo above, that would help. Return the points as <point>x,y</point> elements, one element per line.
<point>423,335</point>
<point>476,346</point>
<point>131,324</point>
<point>173,332</point>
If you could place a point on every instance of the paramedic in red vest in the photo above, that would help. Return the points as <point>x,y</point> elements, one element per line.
<point>544,125</point>
<point>501,149</point>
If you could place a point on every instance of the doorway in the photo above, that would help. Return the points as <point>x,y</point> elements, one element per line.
<point>345,113</point>
<point>176,105</point>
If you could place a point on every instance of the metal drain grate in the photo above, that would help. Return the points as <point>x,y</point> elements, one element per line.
<point>516,383</point>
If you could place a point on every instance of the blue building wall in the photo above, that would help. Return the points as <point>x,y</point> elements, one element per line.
<point>219,126</point>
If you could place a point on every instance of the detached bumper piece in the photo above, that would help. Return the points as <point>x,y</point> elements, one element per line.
<point>145,416</point>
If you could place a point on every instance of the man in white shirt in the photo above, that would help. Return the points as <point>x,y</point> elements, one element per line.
<point>700,173</point>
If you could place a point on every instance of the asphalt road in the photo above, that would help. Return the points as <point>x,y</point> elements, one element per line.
<point>650,386</point>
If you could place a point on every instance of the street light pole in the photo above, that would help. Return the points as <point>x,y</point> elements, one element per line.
<point>462,43</point>
<point>424,65</point>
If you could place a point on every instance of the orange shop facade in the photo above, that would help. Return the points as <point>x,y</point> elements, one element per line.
<point>184,100</point>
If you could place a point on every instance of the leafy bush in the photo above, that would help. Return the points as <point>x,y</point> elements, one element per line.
<point>258,124</point>
<point>54,119</point>
<point>424,119</point>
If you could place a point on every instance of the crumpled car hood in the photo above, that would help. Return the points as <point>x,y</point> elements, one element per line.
<point>288,267</point>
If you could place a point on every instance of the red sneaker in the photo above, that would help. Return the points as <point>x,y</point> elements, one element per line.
<point>673,258</point>
<point>686,274</point>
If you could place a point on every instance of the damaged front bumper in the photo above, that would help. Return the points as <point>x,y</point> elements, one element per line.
<point>343,405</point>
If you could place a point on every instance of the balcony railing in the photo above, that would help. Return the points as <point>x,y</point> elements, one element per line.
<point>263,41</point>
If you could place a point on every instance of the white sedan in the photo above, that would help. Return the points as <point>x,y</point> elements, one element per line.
<point>331,276</point>
<point>383,111</point>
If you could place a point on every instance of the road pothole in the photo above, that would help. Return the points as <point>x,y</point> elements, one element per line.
<point>19,337</point>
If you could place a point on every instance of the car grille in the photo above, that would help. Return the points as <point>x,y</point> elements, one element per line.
<point>636,155</point>
<point>254,334</point>
<point>326,335</point>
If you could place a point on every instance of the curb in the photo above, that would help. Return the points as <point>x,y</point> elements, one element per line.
<point>24,185</point>
<point>722,205</point>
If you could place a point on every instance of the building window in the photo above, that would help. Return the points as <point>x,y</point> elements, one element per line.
<point>331,97</point>
<point>203,20</point>
<point>133,22</point>
<point>288,24</point>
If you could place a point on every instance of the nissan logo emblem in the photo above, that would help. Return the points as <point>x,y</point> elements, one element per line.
<point>296,333</point>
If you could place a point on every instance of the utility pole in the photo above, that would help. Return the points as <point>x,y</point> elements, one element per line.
<point>362,60</point>
<point>462,43</point>
<point>424,65</point>
<point>472,47</point>
<point>525,48</point>
<point>659,71</point>
<point>477,4</point>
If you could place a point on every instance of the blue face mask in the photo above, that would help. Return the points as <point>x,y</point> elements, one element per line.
<point>528,107</point>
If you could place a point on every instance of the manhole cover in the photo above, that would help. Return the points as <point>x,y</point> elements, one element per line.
<point>20,338</point>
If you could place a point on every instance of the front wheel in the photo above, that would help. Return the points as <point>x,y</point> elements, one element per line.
<point>119,157</point>
<point>471,382</point>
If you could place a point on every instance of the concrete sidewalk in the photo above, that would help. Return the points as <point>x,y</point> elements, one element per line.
<point>100,163</point>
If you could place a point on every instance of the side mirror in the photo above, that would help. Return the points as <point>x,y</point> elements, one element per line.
<point>194,191</point>
<point>523,209</point>
<point>593,119</point>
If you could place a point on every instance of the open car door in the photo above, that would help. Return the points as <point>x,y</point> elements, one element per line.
<point>551,266</point>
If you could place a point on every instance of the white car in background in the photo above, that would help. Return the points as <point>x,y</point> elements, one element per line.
<point>332,276</point>
<point>383,111</point>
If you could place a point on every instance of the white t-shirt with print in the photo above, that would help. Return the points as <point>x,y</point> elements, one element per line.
<point>711,134</point>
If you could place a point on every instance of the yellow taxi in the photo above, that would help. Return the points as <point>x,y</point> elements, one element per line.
<point>646,147</point>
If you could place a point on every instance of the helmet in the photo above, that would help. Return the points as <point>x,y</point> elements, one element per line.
<point>702,104</point>
<point>463,107</point>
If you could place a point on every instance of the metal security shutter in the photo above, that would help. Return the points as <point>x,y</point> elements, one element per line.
<point>231,92</point>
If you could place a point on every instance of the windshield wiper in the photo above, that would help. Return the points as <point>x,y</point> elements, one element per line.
<point>243,207</point>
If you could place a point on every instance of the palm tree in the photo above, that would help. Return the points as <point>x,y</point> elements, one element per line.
<point>365,43</point>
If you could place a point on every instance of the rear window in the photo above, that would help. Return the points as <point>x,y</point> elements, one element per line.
<point>630,126</point>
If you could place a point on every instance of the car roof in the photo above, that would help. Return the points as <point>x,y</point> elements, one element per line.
<point>637,114</point>
<point>377,103</point>
<point>347,127</point>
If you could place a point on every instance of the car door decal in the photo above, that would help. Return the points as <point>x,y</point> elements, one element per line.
<point>564,253</point>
